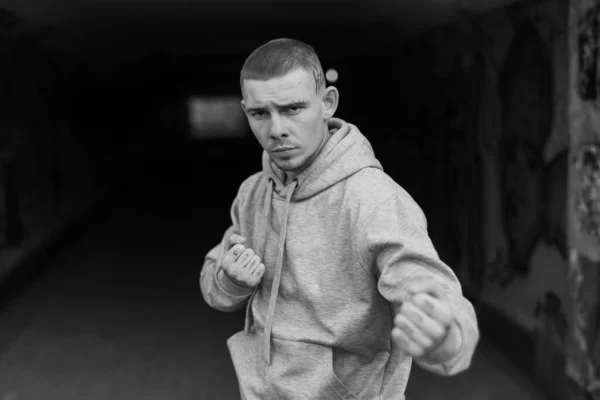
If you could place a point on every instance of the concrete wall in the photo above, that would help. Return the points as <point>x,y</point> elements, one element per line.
<point>525,182</point>
<point>583,348</point>
<point>506,75</point>
<point>489,100</point>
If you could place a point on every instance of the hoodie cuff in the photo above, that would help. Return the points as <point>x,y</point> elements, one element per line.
<point>230,286</point>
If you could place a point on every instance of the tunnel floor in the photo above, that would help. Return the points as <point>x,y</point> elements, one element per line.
<point>118,314</point>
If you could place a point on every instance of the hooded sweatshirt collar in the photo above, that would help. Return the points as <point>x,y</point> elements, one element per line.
<point>346,152</point>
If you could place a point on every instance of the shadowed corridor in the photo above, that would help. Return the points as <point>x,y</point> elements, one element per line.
<point>109,106</point>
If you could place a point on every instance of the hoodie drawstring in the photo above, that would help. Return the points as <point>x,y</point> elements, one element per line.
<point>263,242</point>
<point>277,277</point>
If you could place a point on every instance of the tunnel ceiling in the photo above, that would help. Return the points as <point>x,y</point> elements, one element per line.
<point>110,32</point>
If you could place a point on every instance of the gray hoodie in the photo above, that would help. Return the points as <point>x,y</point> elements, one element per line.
<point>339,245</point>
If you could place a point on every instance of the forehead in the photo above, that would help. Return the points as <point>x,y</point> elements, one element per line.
<point>295,85</point>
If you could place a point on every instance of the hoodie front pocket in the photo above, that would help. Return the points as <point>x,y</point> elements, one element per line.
<point>249,366</point>
<point>301,370</point>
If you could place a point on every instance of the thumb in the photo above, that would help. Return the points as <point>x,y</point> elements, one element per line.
<point>237,239</point>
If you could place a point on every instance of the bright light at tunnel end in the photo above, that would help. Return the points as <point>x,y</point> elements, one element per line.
<point>331,75</point>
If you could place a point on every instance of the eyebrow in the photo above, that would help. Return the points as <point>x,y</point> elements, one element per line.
<point>284,105</point>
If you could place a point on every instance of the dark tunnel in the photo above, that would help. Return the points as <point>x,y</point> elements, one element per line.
<point>124,143</point>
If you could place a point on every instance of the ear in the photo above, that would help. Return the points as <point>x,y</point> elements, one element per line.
<point>330,100</point>
<point>243,103</point>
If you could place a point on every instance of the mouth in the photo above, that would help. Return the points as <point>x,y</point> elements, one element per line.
<point>282,149</point>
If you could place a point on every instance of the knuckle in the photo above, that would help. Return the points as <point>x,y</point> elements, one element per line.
<point>426,342</point>
<point>411,309</point>
<point>440,332</point>
<point>428,305</point>
<point>419,298</point>
<point>416,317</point>
<point>401,322</point>
<point>398,319</point>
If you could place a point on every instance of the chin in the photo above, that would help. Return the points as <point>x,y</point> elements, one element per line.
<point>290,165</point>
<point>287,166</point>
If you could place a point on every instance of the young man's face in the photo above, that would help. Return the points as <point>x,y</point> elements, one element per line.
<point>288,116</point>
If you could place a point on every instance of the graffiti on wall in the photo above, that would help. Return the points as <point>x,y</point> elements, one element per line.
<point>584,271</point>
<point>583,349</point>
<point>530,182</point>
<point>540,154</point>
<point>532,188</point>
<point>587,56</point>
<point>586,165</point>
<point>583,346</point>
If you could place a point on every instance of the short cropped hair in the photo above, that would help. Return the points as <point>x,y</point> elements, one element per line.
<point>278,57</point>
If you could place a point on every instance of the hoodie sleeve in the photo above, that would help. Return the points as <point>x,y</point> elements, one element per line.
<point>395,247</point>
<point>218,290</point>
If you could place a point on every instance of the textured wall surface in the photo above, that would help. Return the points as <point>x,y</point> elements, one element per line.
<point>584,195</point>
<point>495,110</point>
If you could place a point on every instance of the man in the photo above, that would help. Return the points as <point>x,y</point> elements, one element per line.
<point>342,285</point>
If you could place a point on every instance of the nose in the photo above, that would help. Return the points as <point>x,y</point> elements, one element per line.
<point>276,127</point>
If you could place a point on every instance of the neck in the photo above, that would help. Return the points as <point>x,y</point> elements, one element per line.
<point>291,175</point>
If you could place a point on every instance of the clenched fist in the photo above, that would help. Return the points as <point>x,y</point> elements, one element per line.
<point>240,264</point>
<point>423,323</point>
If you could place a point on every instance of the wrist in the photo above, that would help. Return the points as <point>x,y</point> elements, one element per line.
<point>234,280</point>
<point>230,286</point>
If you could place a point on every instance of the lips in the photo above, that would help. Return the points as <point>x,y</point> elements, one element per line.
<point>281,149</point>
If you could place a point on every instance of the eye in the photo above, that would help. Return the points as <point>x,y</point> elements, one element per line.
<point>258,114</point>
<point>293,110</point>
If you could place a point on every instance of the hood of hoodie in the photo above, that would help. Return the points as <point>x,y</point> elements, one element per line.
<point>345,153</point>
